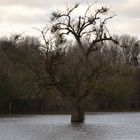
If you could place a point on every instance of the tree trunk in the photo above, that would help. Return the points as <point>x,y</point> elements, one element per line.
<point>77,111</point>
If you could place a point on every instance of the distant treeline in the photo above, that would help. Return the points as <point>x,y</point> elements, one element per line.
<point>25,86</point>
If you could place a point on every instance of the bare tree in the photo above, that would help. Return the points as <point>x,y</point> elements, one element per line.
<point>130,48</point>
<point>71,73</point>
<point>90,26</point>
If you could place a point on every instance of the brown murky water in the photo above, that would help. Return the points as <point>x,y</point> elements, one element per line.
<point>100,126</point>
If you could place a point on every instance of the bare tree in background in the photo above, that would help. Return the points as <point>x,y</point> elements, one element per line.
<point>130,48</point>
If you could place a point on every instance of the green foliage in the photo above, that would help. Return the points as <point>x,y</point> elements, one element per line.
<point>116,91</point>
<point>112,84</point>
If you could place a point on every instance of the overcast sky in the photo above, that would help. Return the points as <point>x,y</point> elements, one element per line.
<point>22,16</point>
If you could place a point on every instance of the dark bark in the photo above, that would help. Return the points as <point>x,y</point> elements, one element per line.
<point>77,111</point>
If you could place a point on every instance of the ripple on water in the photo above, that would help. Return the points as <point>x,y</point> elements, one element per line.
<point>100,126</point>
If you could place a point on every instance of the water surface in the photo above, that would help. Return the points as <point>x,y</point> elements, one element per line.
<point>100,126</point>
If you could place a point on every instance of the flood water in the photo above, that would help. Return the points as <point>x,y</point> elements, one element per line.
<point>99,126</point>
